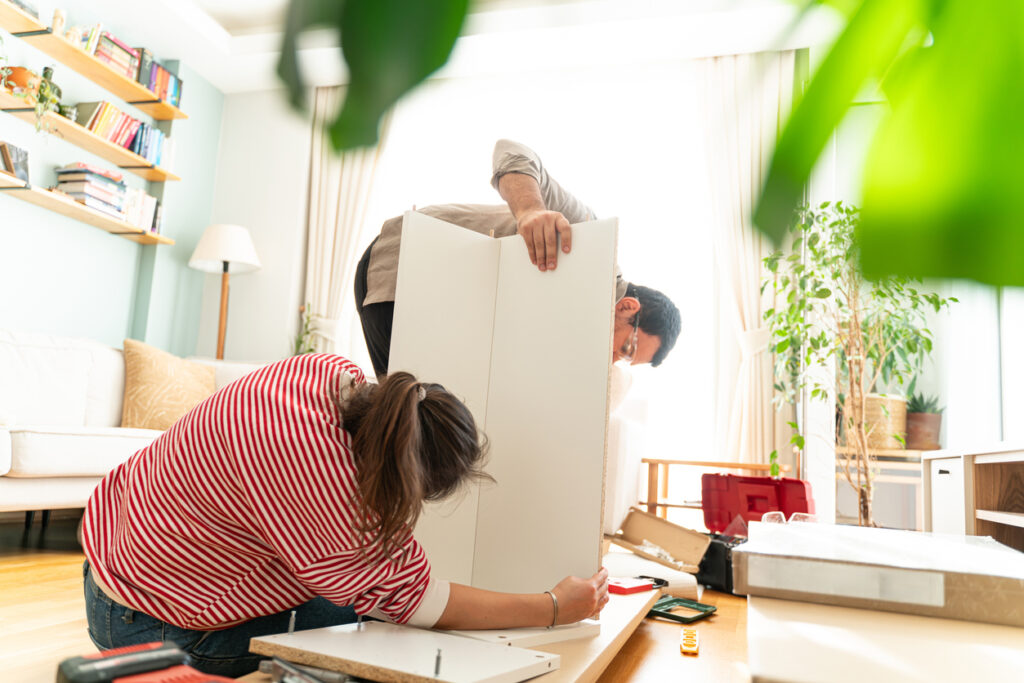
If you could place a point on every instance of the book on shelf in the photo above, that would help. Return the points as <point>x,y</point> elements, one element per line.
<point>139,208</point>
<point>97,204</point>
<point>92,38</point>
<point>15,160</point>
<point>83,167</point>
<point>116,42</point>
<point>145,65</point>
<point>114,197</point>
<point>95,180</point>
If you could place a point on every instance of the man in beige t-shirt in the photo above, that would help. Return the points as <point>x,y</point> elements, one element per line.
<point>647,323</point>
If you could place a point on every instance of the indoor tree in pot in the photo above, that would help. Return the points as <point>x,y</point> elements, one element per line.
<point>874,331</point>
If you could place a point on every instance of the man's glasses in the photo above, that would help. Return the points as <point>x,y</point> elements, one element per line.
<point>628,350</point>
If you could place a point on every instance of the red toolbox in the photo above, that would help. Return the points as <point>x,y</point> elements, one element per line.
<point>723,496</point>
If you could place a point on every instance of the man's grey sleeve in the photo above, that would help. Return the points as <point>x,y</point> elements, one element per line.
<point>512,157</point>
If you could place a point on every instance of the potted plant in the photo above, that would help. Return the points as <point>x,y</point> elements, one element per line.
<point>924,420</point>
<point>874,331</point>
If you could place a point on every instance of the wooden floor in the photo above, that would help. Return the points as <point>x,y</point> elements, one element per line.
<point>42,608</point>
<point>42,621</point>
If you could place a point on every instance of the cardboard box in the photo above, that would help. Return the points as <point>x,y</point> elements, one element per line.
<point>685,547</point>
<point>937,575</point>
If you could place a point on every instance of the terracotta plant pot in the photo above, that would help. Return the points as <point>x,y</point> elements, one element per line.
<point>923,431</point>
<point>22,80</point>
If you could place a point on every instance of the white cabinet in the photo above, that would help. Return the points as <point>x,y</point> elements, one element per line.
<point>975,491</point>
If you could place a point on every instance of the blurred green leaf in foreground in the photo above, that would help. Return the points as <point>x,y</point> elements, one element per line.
<point>390,46</point>
<point>944,177</point>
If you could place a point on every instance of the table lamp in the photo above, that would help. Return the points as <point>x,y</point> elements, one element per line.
<point>224,249</point>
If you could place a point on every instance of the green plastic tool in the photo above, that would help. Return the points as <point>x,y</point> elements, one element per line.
<point>663,608</point>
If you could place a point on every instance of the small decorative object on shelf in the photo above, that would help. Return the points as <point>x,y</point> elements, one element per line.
<point>60,20</point>
<point>15,160</point>
<point>21,81</point>
<point>69,111</point>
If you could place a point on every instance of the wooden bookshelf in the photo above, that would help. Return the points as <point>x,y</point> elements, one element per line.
<point>59,202</point>
<point>28,28</point>
<point>78,135</point>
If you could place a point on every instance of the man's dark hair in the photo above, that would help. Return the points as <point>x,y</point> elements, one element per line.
<point>658,317</point>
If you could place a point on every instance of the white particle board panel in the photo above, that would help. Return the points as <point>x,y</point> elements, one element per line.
<point>381,651</point>
<point>547,415</point>
<point>444,317</point>
<point>541,354</point>
<point>529,637</point>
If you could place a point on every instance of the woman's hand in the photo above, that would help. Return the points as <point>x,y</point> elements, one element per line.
<point>581,598</point>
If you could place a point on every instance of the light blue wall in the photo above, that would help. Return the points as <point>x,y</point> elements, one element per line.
<point>61,276</point>
<point>169,293</point>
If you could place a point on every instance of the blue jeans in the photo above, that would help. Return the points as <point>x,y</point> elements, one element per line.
<point>221,653</point>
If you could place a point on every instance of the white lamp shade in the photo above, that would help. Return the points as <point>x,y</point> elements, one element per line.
<point>224,242</point>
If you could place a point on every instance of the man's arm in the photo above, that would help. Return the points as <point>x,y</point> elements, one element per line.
<point>542,208</point>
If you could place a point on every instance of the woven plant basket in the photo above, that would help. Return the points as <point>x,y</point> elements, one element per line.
<point>885,417</point>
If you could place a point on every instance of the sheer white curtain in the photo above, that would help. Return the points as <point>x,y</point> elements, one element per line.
<point>340,186</point>
<point>746,101</point>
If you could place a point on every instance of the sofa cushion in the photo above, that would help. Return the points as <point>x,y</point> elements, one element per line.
<point>227,371</point>
<point>55,451</point>
<point>160,387</point>
<point>44,379</point>
<point>106,387</point>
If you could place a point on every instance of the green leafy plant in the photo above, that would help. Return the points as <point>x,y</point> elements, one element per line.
<point>919,403</point>
<point>389,47</point>
<point>773,461</point>
<point>943,175</point>
<point>874,331</point>
<point>304,339</point>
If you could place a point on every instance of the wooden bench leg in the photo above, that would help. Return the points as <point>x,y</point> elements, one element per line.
<point>652,488</point>
<point>29,516</point>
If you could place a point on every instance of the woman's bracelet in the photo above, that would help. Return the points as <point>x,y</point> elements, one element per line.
<point>554,603</point>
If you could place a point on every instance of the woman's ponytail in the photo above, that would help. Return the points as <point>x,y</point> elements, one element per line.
<point>412,442</point>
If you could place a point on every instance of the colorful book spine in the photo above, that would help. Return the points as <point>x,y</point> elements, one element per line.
<point>145,63</point>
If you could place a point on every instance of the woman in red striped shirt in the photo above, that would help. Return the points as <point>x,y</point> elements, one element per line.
<point>294,488</point>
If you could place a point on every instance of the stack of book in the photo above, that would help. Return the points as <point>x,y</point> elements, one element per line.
<point>117,55</point>
<point>95,187</point>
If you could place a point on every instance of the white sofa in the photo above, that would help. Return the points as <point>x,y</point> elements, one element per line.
<point>60,417</point>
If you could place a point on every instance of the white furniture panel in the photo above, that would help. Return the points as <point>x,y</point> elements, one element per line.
<point>530,353</point>
<point>547,415</point>
<point>444,317</point>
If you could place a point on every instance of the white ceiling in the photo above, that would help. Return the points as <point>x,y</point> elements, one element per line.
<point>234,44</point>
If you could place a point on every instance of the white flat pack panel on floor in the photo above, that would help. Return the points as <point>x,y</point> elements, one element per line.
<point>385,652</point>
<point>443,323</point>
<point>472,313</point>
<point>804,642</point>
<point>529,637</point>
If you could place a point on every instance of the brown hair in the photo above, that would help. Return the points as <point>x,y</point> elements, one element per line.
<point>412,442</point>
